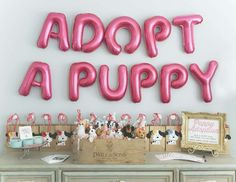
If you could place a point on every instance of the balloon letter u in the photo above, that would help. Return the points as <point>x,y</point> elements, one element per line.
<point>106,91</point>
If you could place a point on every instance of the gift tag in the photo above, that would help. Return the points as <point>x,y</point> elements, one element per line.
<point>25,132</point>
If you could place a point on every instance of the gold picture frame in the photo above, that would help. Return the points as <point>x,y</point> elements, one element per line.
<point>203,131</point>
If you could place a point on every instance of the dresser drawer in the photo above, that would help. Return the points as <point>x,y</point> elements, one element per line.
<point>207,176</point>
<point>27,176</point>
<point>165,176</point>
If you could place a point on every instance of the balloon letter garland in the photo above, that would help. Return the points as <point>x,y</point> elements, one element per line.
<point>186,23</point>
<point>106,91</point>
<point>143,75</point>
<point>123,22</point>
<point>62,34</point>
<point>29,80</point>
<point>167,82</point>
<point>151,37</point>
<point>205,78</point>
<point>74,78</point>
<point>136,82</point>
<point>80,22</point>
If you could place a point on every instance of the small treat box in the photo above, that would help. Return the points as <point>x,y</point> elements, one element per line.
<point>109,151</point>
<point>173,133</point>
<point>157,134</point>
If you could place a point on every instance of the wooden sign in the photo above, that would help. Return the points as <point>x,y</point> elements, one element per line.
<point>110,151</point>
<point>203,131</point>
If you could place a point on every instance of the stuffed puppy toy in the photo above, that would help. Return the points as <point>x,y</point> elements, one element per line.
<point>156,136</point>
<point>128,131</point>
<point>140,133</point>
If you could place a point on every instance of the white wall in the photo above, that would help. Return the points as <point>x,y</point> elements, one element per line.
<point>21,22</point>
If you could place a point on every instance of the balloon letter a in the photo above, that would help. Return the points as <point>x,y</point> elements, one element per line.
<point>29,80</point>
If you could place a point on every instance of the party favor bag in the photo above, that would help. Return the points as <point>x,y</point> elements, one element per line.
<point>173,133</point>
<point>157,142</point>
<point>48,133</point>
<point>12,131</point>
<point>64,134</point>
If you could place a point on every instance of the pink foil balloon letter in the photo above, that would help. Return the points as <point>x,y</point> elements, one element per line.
<point>120,91</point>
<point>81,21</point>
<point>29,80</point>
<point>137,82</point>
<point>205,79</point>
<point>123,22</point>
<point>75,81</point>
<point>53,19</point>
<point>151,37</point>
<point>186,23</point>
<point>167,82</point>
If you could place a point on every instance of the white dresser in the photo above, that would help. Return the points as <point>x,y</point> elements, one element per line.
<point>14,169</point>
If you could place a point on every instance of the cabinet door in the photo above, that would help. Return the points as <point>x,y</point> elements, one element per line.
<point>27,176</point>
<point>122,176</point>
<point>207,176</point>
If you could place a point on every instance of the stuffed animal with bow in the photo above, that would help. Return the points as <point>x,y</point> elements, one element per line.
<point>140,133</point>
<point>80,130</point>
<point>128,131</point>
<point>48,138</point>
<point>119,134</point>
<point>156,136</point>
<point>92,134</point>
<point>62,137</point>
<point>173,136</point>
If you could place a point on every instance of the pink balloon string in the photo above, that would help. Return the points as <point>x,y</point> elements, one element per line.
<point>156,119</point>
<point>170,121</point>
<point>126,117</point>
<point>48,118</point>
<point>140,119</point>
<point>79,115</point>
<point>31,118</point>
<point>110,117</point>
<point>11,118</point>
<point>93,117</point>
<point>62,118</point>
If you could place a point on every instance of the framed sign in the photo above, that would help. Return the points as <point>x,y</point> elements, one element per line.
<point>203,131</point>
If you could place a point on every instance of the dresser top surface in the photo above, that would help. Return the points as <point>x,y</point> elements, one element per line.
<point>14,161</point>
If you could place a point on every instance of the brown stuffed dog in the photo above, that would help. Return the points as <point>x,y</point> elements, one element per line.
<point>128,131</point>
<point>140,133</point>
